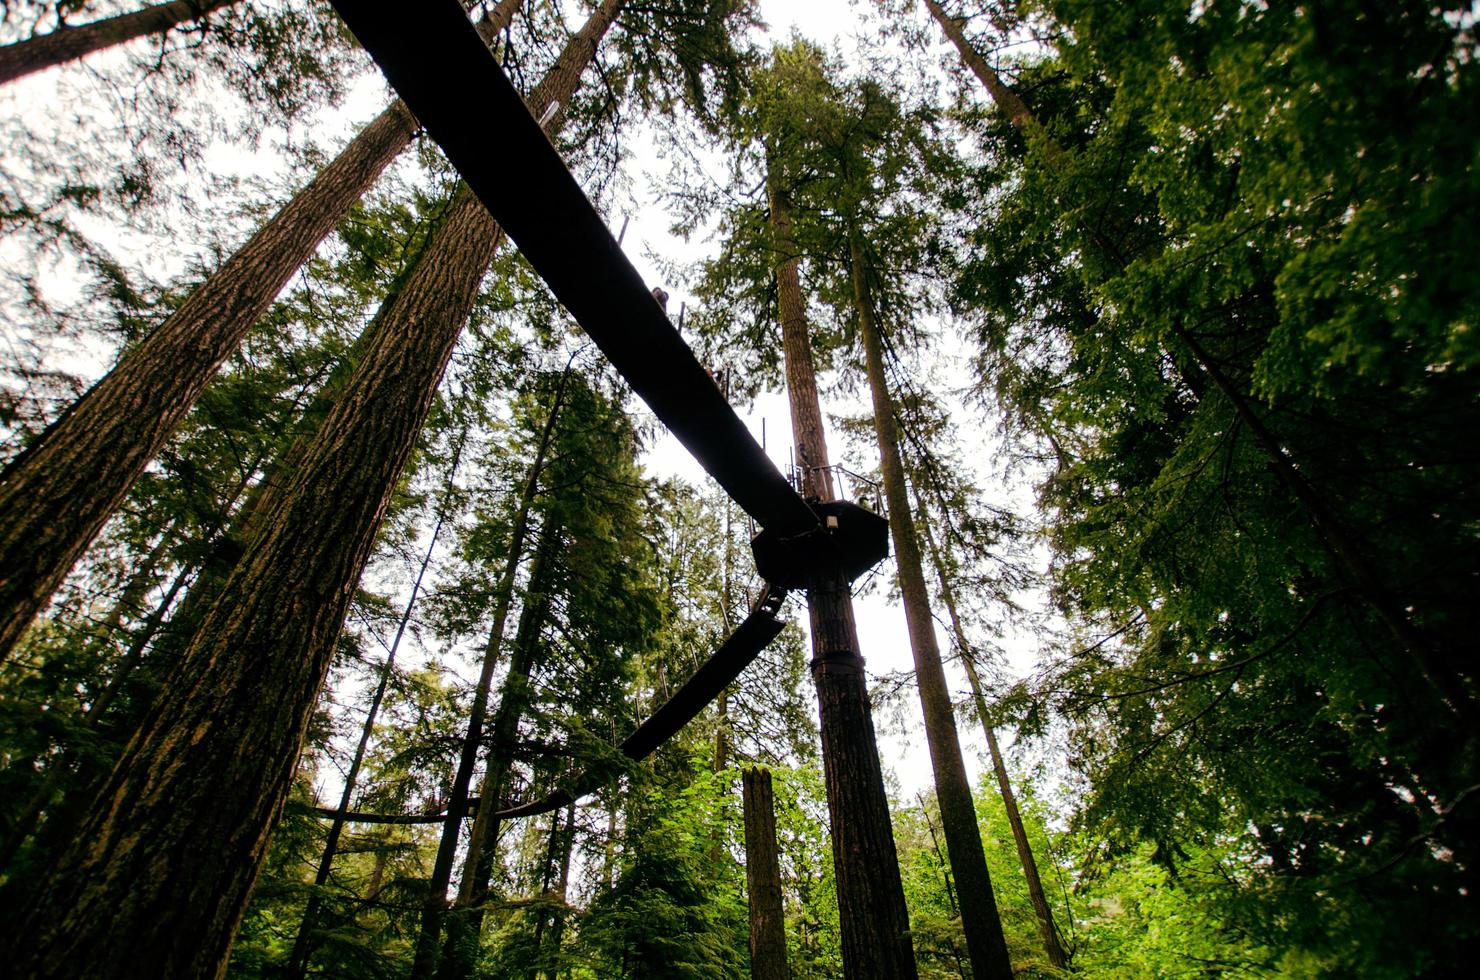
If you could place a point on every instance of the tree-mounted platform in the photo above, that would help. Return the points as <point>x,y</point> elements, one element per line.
<point>849,540</point>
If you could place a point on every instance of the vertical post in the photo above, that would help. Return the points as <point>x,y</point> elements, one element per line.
<point>763,878</point>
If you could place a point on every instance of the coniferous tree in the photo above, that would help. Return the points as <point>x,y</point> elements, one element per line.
<point>56,494</point>
<point>875,924</point>
<point>515,554</point>
<point>1252,411</point>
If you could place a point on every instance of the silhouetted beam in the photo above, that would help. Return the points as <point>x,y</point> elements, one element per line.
<point>355,816</point>
<point>437,64</point>
<point>737,652</point>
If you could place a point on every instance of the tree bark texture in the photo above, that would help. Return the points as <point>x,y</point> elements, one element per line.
<point>1047,930</point>
<point>155,883</point>
<point>303,942</point>
<point>872,915</point>
<point>985,944</point>
<point>68,43</point>
<point>763,878</point>
<point>56,495</point>
<point>801,370</point>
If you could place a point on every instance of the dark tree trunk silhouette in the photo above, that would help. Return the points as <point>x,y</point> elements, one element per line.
<point>462,938</point>
<point>465,925</point>
<point>68,42</point>
<point>1047,930</point>
<point>57,493</point>
<point>872,915</point>
<point>763,878</point>
<point>985,944</point>
<point>557,919</point>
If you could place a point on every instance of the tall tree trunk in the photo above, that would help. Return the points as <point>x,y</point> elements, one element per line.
<point>377,876</point>
<point>985,944</point>
<point>763,878</point>
<point>156,882</point>
<point>1005,98</point>
<point>482,833</point>
<point>465,926</point>
<point>302,943</point>
<point>557,924</point>
<point>68,43</point>
<point>721,731</point>
<point>609,846</point>
<point>56,495</point>
<point>872,915</point>
<point>1343,547</point>
<point>1046,927</point>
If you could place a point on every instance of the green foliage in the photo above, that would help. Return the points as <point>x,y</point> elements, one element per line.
<point>1222,279</point>
<point>682,55</point>
<point>852,158</point>
<point>935,917</point>
<point>1254,251</point>
<point>673,910</point>
<point>1139,920</point>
